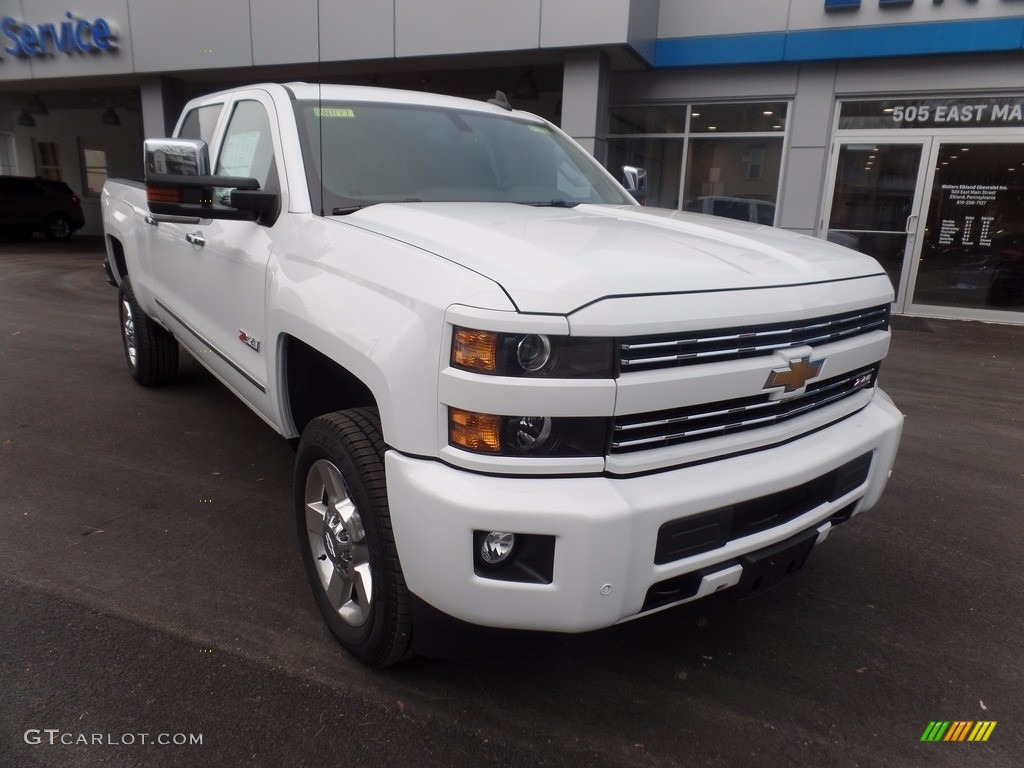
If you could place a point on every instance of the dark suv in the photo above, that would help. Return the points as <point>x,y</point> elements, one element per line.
<point>38,205</point>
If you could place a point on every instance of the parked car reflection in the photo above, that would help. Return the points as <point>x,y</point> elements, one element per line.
<point>992,277</point>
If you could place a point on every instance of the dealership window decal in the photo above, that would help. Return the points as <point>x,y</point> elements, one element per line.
<point>951,113</point>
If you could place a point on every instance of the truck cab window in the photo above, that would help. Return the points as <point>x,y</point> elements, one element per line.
<point>248,147</point>
<point>200,123</point>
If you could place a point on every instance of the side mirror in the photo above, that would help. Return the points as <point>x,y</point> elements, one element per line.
<point>634,179</point>
<point>179,185</point>
<point>176,157</point>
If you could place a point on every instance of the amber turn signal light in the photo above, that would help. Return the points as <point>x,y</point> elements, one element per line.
<point>480,432</point>
<point>475,350</point>
<point>163,194</point>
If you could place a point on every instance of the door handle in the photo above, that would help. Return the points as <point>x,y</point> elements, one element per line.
<point>196,239</point>
<point>911,225</point>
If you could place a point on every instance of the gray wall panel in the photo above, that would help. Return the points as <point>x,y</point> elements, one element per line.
<point>810,121</point>
<point>643,27</point>
<point>699,84</point>
<point>464,26</point>
<point>802,189</point>
<point>695,18</point>
<point>184,34</point>
<point>563,24</point>
<point>356,29</point>
<point>584,100</point>
<point>283,33</point>
<point>960,73</point>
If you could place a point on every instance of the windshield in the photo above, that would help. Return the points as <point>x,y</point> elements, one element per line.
<point>377,153</point>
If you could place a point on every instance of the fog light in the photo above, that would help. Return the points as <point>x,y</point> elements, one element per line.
<point>497,547</point>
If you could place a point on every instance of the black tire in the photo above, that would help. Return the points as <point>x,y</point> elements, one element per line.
<point>57,227</point>
<point>345,535</point>
<point>150,351</point>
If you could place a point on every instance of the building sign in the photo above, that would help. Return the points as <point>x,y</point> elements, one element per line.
<point>845,5</point>
<point>74,35</point>
<point>958,113</point>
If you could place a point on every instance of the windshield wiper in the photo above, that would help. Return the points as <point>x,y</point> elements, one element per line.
<point>347,209</point>
<point>556,203</point>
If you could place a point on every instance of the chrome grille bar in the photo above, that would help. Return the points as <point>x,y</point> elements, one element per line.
<point>652,352</point>
<point>681,425</point>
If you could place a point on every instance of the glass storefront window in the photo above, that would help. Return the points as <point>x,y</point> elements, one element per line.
<point>663,160</point>
<point>973,249</point>
<point>738,118</point>
<point>736,178</point>
<point>629,120</point>
<point>719,158</point>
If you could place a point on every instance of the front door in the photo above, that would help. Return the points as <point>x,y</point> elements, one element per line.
<point>211,276</point>
<point>875,205</point>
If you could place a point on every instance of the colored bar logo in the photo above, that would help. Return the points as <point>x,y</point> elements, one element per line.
<point>958,730</point>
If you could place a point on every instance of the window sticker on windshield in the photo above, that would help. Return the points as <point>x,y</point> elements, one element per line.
<point>333,112</point>
<point>236,158</point>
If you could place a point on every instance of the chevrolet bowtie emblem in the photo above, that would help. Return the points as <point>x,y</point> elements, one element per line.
<point>794,376</point>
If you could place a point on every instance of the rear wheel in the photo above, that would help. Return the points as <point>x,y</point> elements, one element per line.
<point>346,539</point>
<point>150,351</point>
<point>57,227</point>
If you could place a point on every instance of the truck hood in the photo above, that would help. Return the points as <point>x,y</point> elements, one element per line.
<point>556,260</point>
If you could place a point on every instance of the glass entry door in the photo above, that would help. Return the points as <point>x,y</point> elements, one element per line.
<point>972,248</point>
<point>876,203</point>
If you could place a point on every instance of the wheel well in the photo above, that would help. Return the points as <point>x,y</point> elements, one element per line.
<point>317,385</point>
<point>120,268</point>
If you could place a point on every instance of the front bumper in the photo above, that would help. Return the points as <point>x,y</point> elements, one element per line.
<point>606,529</point>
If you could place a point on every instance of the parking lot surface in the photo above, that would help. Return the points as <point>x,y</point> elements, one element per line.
<point>151,585</point>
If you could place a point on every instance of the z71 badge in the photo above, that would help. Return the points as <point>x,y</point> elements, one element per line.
<point>252,341</point>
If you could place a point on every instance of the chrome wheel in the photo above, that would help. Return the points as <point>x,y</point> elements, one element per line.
<point>338,543</point>
<point>128,328</point>
<point>150,351</point>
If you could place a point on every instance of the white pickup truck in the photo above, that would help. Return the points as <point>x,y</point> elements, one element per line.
<point>520,400</point>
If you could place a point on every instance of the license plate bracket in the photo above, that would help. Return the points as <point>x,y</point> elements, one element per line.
<point>767,568</point>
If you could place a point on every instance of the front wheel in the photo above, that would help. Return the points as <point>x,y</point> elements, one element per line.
<point>150,351</point>
<point>346,539</point>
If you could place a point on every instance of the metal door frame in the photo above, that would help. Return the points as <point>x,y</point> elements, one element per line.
<point>914,226</point>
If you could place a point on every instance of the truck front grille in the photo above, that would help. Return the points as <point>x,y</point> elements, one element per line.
<point>660,429</point>
<point>643,353</point>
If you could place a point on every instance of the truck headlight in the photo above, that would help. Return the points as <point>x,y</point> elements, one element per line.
<point>536,436</point>
<point>533,354</point>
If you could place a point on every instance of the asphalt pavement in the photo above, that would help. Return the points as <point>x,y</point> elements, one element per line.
<point>154,610</point>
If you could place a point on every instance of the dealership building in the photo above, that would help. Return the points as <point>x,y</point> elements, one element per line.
<point>894,127</point>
